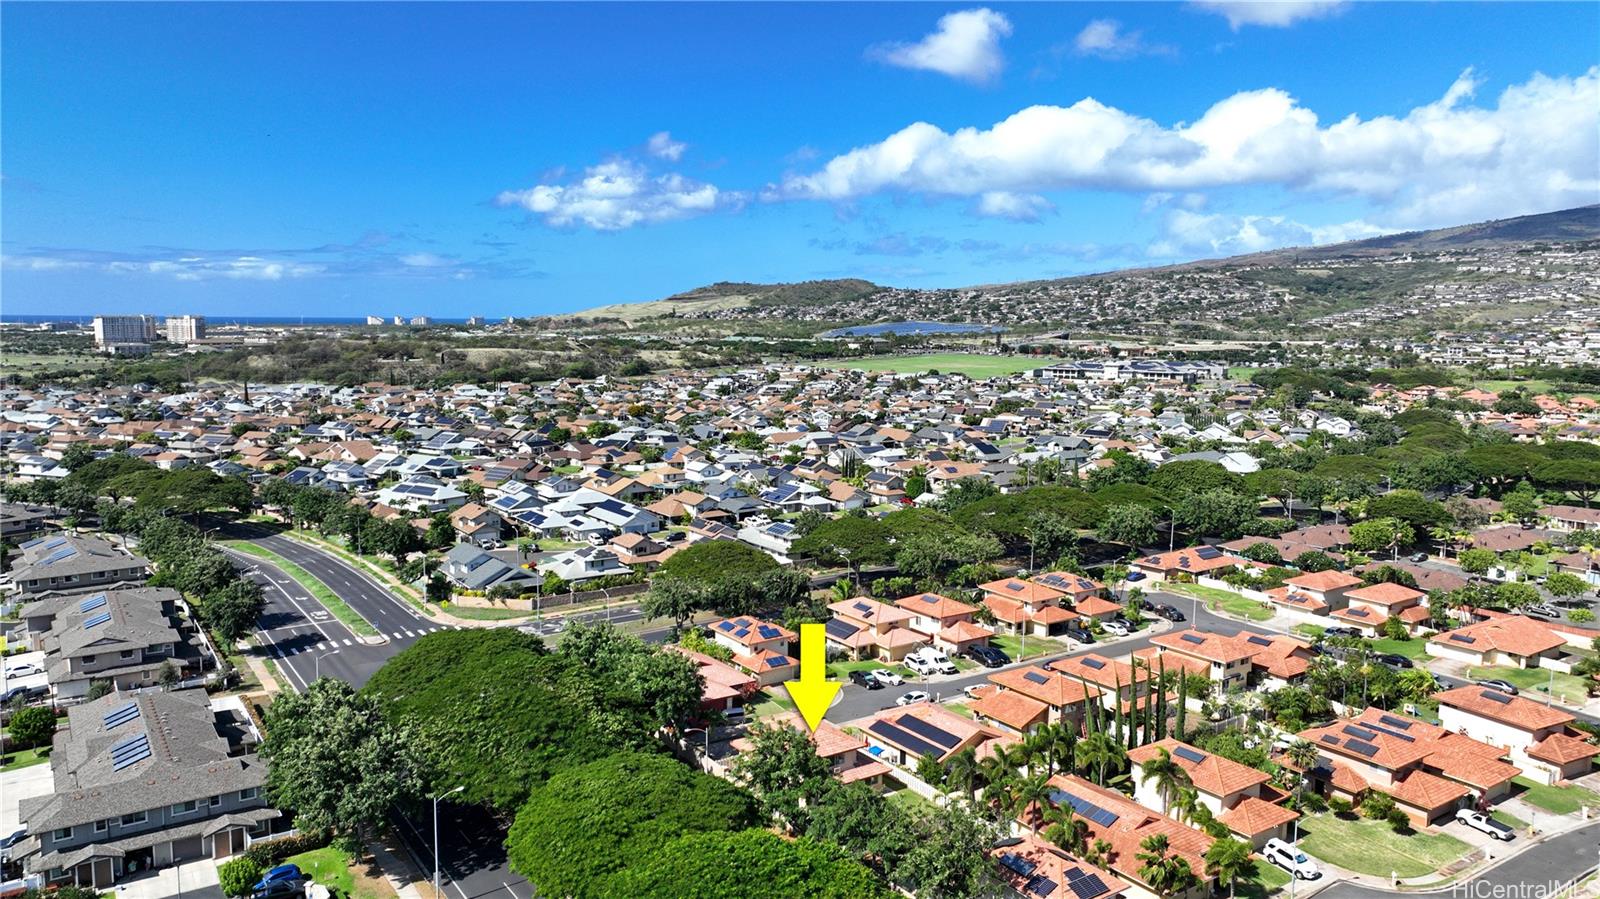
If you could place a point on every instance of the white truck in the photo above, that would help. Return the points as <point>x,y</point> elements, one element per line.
<point>928,660</point>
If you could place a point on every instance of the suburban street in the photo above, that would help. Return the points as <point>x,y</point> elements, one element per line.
<point>1540,871</point>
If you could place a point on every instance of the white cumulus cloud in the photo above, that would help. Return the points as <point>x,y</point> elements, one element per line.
<point>966,46</point>
<point>1018,207</point>
<point>662,146</point>
<point>1270,13</point>
<point>1186,234</point>
<point>1106,39</point>
<point>618,194</point>
<point>1536,148</point>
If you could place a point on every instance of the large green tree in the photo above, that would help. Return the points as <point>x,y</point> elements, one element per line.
<point>745,864</point>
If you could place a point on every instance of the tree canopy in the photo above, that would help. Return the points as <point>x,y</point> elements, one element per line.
<point>748,863</point>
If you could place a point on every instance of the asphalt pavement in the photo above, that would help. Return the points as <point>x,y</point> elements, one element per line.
<point>472,856</point>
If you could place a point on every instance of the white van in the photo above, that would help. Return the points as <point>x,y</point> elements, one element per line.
<point>928,661</point>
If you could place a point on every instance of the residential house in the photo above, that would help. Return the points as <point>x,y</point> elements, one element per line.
<point>865,628</point>
<point>1238,796</point>
<point>1359,757</point>
<point>1512,640</point>
<point>121,637</point>
<point>65,563</point>
<point>759,647</point>
<point>946,621</point>
<point>1370,608</point>
<point>472,568</point>
<point>1036,869</point>
<point>1026,606</point>
<point>476,524</point>
<point>1539,738</point>
<point>1126,824</point>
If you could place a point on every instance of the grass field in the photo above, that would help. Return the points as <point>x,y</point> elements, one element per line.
<point>972,365</point>
<point>475,613</point>
<point>1413,649</point>
<point>841,670</point>
<point>331,868</point>
<point>1011,645</point>
<point>1560,800</point>
<point>320,591</point>
<point>1371,847</point>
<point>22,758</point>
<point>1536,680</point>
<point>26,363</point>
<point>1269,879</point>
<point>1232,603</point>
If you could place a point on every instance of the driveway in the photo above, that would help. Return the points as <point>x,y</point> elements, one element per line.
<point>20,784</point>
<point>195,879</point>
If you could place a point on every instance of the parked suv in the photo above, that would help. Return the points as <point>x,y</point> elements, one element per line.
<point>987,656</point>
<point>1291,859</point>
<point>928,661</point>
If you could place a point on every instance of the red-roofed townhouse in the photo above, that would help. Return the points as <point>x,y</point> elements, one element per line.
<point>759,647</point>
<point>1503,640</point>
<point>865,628</point>
<point>947,621</point>
<point>727,688</point>
<point>1036,869</point>
<point>1356,758</point>
<point>1126,824</point>
<point>1074,587</point>
<point>1185,564</point>
<point>1117,681</point>
<point>1019,605</point>
<point>901,735</point>
<point>1369,608</point>
<point>1324,589</point>
<point>1064,699</point>
<point>1539,737</point>
<point>1227,660</point>
<point>1237,795</point>
<point>1474,764</point>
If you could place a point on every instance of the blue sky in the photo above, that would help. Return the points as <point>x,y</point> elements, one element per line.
<point>506,159</point>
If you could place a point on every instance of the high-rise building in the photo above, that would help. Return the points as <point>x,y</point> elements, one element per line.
<point>124,333</point>
<point>186,328</point>
<point>475,320</point>
<point>421,320</point>
<point>374,319</point>
<point>397,320</point>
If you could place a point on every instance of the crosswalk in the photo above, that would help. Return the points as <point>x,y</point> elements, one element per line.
<point>335,643</point>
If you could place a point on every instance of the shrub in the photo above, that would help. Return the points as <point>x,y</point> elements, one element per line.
<point>1377,806</point>
<point>1580,616</point>
<point>267,853</point>
<point>1398,820</point>
<point>237,876</point>
<point>33,726</point>
<point>1339,806</point>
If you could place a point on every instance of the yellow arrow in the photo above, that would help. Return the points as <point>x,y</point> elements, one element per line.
<point>813,692</point>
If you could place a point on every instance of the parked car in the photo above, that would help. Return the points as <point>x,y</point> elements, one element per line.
<point>26,694</point>
<point>1394,660</point>
<point>1481,822</point>
<point>1497,684</point>
<point>11,840</point>
<point>1116,627</point>
<point>885,676</point>
<point>971,690</point>
<point>912,697</point>
<point>23,669</point>
<point>1419,557</point>
<point>987,656</point>
<point>1149,605</point>
<point>281,889</point>
<point>865,679</point>
<point>1168,612</point>
<point>1135,576</point>
<point>1341,631</point>
<point>928,660</point>
<point>1542,609</point>
<point>1079,635</point>
<point>1291,859</point>
<point>281,872</point>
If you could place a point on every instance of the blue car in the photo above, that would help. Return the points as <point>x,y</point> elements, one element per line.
<point>280,874</point>
<point>1135,576</point>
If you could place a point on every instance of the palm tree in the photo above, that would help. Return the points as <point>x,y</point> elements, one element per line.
<point>1064,829</point>
<point>962,773</point>
<point>1303,753</point>
<point>1029,796</point>
<point>1168,775</point>
<point>1098,751</point>
<point>1164,873</point>
<point>1230,860</point>
<point>930,771</point>
<point>1417,684</point>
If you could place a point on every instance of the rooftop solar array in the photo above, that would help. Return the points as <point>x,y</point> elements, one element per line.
<point>1017,586</point>
<point>97,620</point>
<point>1259,641</point>
<point>768,632</point>
<point>1496,696</point>
<point>1035,677</point>
<point>1358,733</point>
<point>120,716</point>
<point>1096,664</point>
<point>935,734</point>
<point>1085,808</point>
<point>130,751</point>
<point>1463,638</point>
<point>1189,755</point>
<point>1208,552</point>
<point>1191,638</point>
<point>1361,748</point>
<point>92,603</point>
<point>1084,884</point>
<point>58,555</point>
<point>1392,721</point>
<point>903,738</point>
<point>1394,733</point>
<point>1016,863</point>
<point>840,629</point>
<point>864,609</point>
<point>1040,886</point>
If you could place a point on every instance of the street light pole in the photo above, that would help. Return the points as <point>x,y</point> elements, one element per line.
<point>436,836</point>
<point>317,663</point>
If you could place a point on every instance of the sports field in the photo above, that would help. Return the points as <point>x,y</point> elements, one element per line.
<point>973,365</point>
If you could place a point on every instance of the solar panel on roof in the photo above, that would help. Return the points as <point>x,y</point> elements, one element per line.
<point>1394,733</point>
<point>1189,755</point>
<point>724,625</point>
<point>1357,732</point>
<point>936,734</point>
<point>1208,552</point>
<point>1494,696</point>
<point>1041,886</point>
<point>902,738</point>
<point>130,752</point>
<point>840,629</point>
<point>92,603</point>
<point>59,555</point>
<point>1392,721</point>
<point>929,598</point>
<point>1035,677</point>
<point>97,620</point>
<point>1330,739</point>
<point>1014,586</point>
<point>120,716</point>
<point>742,632</point>
<point>1191,638</point>
<point>1463,638</point>
<point>1258,641</point>
<point>863,608</point>
<point>1361,747</point>
<point>1085,808</point>
<point>1096,664</point>
<point>1017,863</point>
<point>767,631</point>
<point>1085,885</point>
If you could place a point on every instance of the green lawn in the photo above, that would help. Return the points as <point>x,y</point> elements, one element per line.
<point>960,708</point>
<point>1560,800</point>
<point>1232,603</point>
<point>973,365</point>
<point>1509,820</point>
<point>22,758</point>
<point>774,701</point>
<point>1011,645</point>
<point>320,591</point>
<point>1241,373</point>
<point>1371,847</point>
<point>1311,631</point>
<point>1414,649</point>
<point>911,802</point>
<point>1269,879</point>
<point>1536,680</point>
<point>841,670</point>
<point>475,613</point>
<point>332,868</point>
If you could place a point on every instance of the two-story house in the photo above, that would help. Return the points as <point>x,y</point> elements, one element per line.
<point>1227,661</point>
<point>474,523</point>
<point>121,637</point>
<point>759,647</point>
<point>1539,738</point>
<point>946,621</point>
<point>145,781</point>
<point>65,563</point>
<point>1238,796</point>
<point>1020,606</point>
<point>1369,608</point>
<point>1061,699</point>
<point>865,628</point>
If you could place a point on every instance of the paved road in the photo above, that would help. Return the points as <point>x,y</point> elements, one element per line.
<point>472,856</point>
<point>1539,871</point>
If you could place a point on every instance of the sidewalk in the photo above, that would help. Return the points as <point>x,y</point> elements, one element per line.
<point>408,882</point>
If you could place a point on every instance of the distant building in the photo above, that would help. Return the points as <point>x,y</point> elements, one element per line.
<point>397,320</point>
<point>421,320</point>
<point>374,319</point>
<point>186,328</point>
<point>475,320</point>
<point>124,334</point>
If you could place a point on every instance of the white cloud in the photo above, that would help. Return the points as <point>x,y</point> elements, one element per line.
<point>196,268</point>
<point>1018,207</point>
<point>1187,234</point>
<point>1536,149</point>
<point>1270,13</point>
<point>966,46</point>
<point>618,194</point>
<point>662,146</point>
<point>1106,39</point>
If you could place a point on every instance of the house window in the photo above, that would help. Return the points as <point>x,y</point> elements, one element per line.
<point>102,825</point>
<point>216,801</point>
<point>127,653</point>
<point>64,833</point>
<point>88,659</point>
<point>247,795</point>
<point>185,808</point>
<point>135,818</point>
